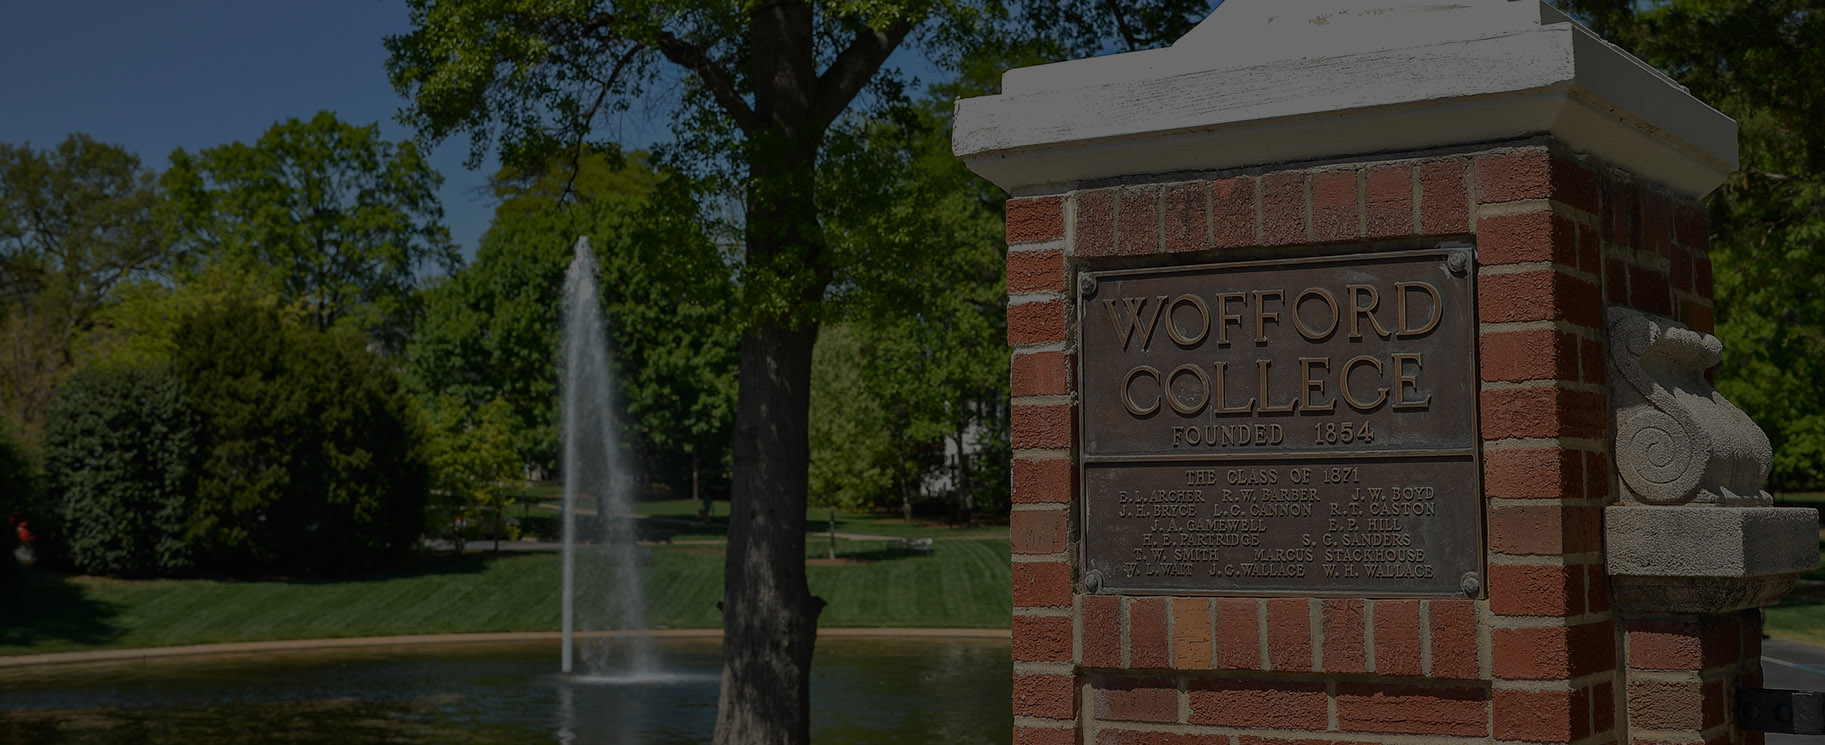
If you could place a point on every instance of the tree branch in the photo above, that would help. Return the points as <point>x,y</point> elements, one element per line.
<point>693,57</point>
<point>853,68</point>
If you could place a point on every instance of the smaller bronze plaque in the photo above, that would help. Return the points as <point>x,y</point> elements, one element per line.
<point>1355,526</point>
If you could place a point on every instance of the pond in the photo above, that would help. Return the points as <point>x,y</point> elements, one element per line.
<point>865,691</point>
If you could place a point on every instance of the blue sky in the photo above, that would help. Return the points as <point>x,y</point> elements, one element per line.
<point>193,74</point>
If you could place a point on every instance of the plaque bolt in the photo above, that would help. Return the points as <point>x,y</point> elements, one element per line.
<point>1093,581</point>
<point>1470,584</point>
<point>1458,262</point>
<point>1086,286</point>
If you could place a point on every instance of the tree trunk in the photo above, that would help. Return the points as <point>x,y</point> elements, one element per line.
<point>769,617</point>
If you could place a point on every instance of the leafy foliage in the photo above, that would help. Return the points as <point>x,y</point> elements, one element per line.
<point>313,455</point>
<point>121,453</point>
<point>328,212</point>
<point>1760,62</point>
<point>75,221</point>
<point>20,501</point>
<point>491,330</point>
<point>472,461</point>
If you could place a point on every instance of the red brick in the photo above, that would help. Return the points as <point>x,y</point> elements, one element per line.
<point>1136,699</point>
<point>1603,707</point>
<point>1534,236</point>
<point>1042,426</point>
<point>1037,531</point>
<point>1541,412</point>
<point>1289,635</point>
<point>1444,202</point>
<point>1545,530</point>
<point>1345,636</point>
<point>1036,271</point>
<point>1454,639</point>
<point>1529,354</point>
<point>1543,295</point>
<point>1553,652</point>
<point>1040,374</point>
<point>1618,218</point>
<point>1042,480</point>
<point>1232,203</point>
<point>1037,323</point>
<point>1397,650</point>
<point>1590,250</point>
<point>1147,639</point>
<point>1042,638</point>
<point>1656,222</point>
<point>1042,585</point>
<point>1036,219</point>
<point>1026,735</point>
<point>1512,176</point>
<point>1238,634</point>
<point>1701,277</point>
<point>1597,582</point>
<point>1594,367</point>
<point>1724,640</point>
<point>1615,280</point>
<point>1334,215</point>
<point>1650,290</point>
<point>1253,740</point>
<point>1542,716</point>
<point>1417,710</point>
<point>1691,224</point>
<point>1283,209</point>
<point>1138,221</point>
<point>1665,644</point>
<point>1680,272</point>
<point>1676,706</point>
<point>1132,737</point>
<point>1045,696</point>
<point>1102,617</point>
<point>1388,199</point>
<point>1192,634</point>
<point>1187,226</point>
<point>1258,703</point>
<point>1576,186</point>
<point>1701,318</point>
<point>1529,590</point>
<point>1095,223</point>
<point>1533,473</point>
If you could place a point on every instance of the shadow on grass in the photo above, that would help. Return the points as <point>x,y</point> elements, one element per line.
<point>42,607</point>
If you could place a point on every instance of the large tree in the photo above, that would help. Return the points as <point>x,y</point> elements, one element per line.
<point>761,88</point>
<point>330,213</point>
<point>76,221</point>
<point>1761,62</point>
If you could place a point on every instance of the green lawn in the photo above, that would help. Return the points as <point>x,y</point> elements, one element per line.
<point>960,584</point>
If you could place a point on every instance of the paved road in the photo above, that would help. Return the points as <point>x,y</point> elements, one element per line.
<point>1796,666</point>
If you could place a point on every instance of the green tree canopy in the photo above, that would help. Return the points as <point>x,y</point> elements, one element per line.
<point>491,329</point>
<point>121,455</point>
<point>330,213</point>
<point>76,221</point>
<point>312,453</point>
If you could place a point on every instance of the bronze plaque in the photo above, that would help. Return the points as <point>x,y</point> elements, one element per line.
<point>1303,426</point>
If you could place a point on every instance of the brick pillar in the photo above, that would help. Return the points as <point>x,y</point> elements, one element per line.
<point>1559,183</point>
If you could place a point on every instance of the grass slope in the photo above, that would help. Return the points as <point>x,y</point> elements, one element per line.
<point>960,584</point>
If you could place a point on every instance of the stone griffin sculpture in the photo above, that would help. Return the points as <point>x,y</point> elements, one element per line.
<point>1692,530</point>
<point>1679,441</point>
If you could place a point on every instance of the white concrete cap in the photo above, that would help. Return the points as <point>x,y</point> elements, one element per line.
<point>1262,82</point>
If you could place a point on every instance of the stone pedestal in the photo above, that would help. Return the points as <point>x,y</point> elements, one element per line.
<point>1569,175</point>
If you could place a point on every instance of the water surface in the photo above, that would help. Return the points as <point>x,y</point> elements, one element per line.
<point>865,691</point>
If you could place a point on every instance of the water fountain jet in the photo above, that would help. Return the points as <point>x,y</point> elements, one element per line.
<point>602,555</point>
